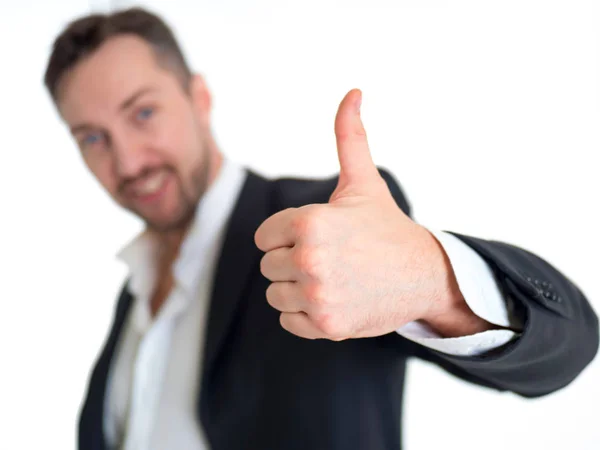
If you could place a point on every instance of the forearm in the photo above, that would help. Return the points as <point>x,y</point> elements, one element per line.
<point>560,332</point>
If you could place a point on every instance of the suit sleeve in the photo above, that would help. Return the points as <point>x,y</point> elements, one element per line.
<point>560,332</point>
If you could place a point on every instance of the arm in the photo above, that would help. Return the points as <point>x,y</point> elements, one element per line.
<point>560,330</point>
<point>560,335</point>
<point>352,264</point>
<point>484,321</point>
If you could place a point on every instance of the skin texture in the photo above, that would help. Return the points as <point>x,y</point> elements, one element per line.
<point>132,120</point>
<point>355,267</point>
<point>358,266</point>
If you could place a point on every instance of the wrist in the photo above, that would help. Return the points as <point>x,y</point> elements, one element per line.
<point>449,314</point>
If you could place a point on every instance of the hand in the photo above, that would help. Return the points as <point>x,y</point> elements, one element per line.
<point>356,266</point>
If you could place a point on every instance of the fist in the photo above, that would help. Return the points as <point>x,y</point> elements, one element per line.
<point>356,266</point>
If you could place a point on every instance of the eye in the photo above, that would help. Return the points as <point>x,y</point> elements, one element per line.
<point>145,113</point>
<point>91,139</point>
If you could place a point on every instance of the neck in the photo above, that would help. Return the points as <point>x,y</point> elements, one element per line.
<point>170,241</point>
<point>170,244</point>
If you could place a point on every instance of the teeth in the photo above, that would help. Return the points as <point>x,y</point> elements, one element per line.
<point>150,185</point>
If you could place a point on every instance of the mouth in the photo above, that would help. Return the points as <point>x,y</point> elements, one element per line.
<point>150,189</point>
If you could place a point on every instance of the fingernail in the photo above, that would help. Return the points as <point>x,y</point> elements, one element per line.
<point>358,102</point>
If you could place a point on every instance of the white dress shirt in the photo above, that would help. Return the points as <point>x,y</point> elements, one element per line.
<point>153,379</point>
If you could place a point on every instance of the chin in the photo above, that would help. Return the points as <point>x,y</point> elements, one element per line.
<point>167,214</point>
<point>170,223</point>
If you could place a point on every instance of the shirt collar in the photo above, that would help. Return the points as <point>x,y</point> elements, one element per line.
<point>210,220</point>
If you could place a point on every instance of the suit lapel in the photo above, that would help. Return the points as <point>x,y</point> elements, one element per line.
<point>239,256</point>
<point>91,430</point>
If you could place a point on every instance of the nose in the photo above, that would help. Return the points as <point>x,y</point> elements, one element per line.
<point>130,158</point>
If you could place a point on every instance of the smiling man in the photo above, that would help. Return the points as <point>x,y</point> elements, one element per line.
<point>280,314</point>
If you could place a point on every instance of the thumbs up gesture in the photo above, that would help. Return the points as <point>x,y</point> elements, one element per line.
<point>356,266</point>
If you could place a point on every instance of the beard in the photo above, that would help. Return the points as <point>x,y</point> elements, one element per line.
<point>186,201</point>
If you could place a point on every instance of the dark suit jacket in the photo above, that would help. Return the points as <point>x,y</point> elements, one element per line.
<point>263,388</point>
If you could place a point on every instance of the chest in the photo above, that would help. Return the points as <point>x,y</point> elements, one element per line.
<point>154,384</point>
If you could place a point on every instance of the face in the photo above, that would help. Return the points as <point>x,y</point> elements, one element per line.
<point>144,138</point>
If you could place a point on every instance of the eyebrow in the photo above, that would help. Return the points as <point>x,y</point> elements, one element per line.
<point>132,98</point>
<point>124,105</point>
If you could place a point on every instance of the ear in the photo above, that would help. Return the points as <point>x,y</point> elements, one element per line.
<point>201,98</point>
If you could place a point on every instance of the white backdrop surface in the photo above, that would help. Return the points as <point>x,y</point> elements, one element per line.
<point>486,112</point>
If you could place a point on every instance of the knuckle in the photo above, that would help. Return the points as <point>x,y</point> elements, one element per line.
<point>314,294</point>
<point>307,261</point>
<point>302,225</point>
<point>355,133</point>
<point>330,325</point>
<point>308,223</point>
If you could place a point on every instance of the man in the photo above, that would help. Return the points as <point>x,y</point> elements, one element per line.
<point>279,314</point>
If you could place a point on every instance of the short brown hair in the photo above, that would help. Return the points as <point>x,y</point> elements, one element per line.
<point>86,34</point>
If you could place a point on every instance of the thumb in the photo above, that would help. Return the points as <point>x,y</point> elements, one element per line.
<point>358,173</point>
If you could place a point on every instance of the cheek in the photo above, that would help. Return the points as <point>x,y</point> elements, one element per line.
<point>183,147</point>
<point>102,169</point>
<point>177,136</point>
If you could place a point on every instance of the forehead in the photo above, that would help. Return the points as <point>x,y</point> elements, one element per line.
<point>100,82</point>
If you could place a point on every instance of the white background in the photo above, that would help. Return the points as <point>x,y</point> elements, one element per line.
<point>486,111</point>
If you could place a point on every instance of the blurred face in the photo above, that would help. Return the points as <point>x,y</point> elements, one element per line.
<point>144,138</point>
